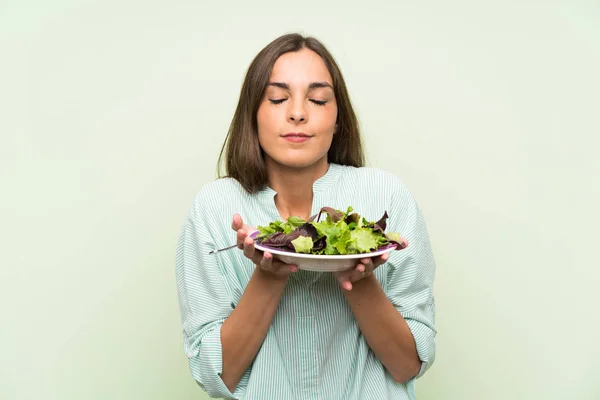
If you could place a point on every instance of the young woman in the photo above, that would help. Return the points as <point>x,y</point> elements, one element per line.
<point>256,328</point>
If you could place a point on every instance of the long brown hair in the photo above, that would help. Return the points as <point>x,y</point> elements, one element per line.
<point>241,150</point>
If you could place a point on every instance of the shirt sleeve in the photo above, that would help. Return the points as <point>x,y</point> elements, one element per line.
<point>204,302</point>
<point>411,275</point>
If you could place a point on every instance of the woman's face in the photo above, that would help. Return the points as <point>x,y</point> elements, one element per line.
<point>297,116</point>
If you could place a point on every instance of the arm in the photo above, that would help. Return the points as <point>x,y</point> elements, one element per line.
<point>220,343</point>
<point>245,329</point>
<point>397,320</point>
<point>204,300</point>
<point>384,329</point>
<point>204,303</point>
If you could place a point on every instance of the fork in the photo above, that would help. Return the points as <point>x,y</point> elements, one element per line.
<point>223,249</point>
<point>228,247</point>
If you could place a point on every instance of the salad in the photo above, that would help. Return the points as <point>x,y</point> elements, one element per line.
<point>339,233</point>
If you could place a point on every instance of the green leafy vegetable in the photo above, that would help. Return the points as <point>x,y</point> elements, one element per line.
<point>303,244</point>
<point>338,233</point>
<point>292,223</point>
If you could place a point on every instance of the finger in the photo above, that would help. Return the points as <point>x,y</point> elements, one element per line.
<point>272,264</point>
<point>344,281</point>
<point>237,222</point>
<point>381,260</point>
<point>266,262</point>
<point>402,244</point>
<point>369,266</point>
<point>249,250</point>
<point>241,237</point>
<point>256,256</point>
<point>375,262</point>
<point>358,273</point>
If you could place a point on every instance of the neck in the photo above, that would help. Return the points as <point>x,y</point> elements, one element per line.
<point>294,187</point>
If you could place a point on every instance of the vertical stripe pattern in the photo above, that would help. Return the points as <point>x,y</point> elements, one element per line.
<point>314,348</point>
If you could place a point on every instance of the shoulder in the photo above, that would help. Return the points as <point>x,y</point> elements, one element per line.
<point>367,173</point>
<point>211,196</point>
<point>219,189</point>
<point>374,179</point>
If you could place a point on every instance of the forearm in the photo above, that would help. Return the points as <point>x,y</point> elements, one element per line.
<point>384,329</point>
<point>244,331</point>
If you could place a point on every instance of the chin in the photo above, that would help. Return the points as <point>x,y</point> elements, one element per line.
<point>299,162</point>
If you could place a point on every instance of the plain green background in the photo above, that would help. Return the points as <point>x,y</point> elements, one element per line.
<point>112,116</point>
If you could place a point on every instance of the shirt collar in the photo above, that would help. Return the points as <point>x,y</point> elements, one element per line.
<point>320,185</point>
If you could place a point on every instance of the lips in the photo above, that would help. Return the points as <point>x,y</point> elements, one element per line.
<point>296,134</point>
<point>296,137</point>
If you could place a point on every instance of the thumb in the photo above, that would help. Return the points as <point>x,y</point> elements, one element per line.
<point>237,222</point>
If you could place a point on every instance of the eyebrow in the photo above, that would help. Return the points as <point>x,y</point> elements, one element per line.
<point>313,85</point>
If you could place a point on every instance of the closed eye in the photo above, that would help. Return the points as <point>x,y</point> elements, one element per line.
<point>317,102</point>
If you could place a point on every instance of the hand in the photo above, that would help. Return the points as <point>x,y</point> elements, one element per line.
<point>264,261</point>
<point>362,270</point>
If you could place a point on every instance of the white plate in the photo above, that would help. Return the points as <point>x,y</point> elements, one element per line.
<point>322,263</point>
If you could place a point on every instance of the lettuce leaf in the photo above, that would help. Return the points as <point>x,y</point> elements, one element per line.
<point>332,233</point>
<point>270,229</point>
<point>340,232</point>
<point>292,223</point>
<point>303,244</point>
<point>282,239</point>
<point>364,240</point>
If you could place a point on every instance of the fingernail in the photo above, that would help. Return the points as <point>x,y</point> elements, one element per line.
<point>348,286</point>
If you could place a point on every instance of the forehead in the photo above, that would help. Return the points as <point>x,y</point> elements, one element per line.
<point>300,68</point>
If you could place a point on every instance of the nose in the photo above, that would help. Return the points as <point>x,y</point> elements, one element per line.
<point>296,112</point>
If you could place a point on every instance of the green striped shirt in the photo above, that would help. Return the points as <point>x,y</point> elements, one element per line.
<point>314,348</point>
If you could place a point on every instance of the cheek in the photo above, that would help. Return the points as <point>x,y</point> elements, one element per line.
<point>265,118</point>
<point>328,118</point>
<point>261,118</point>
